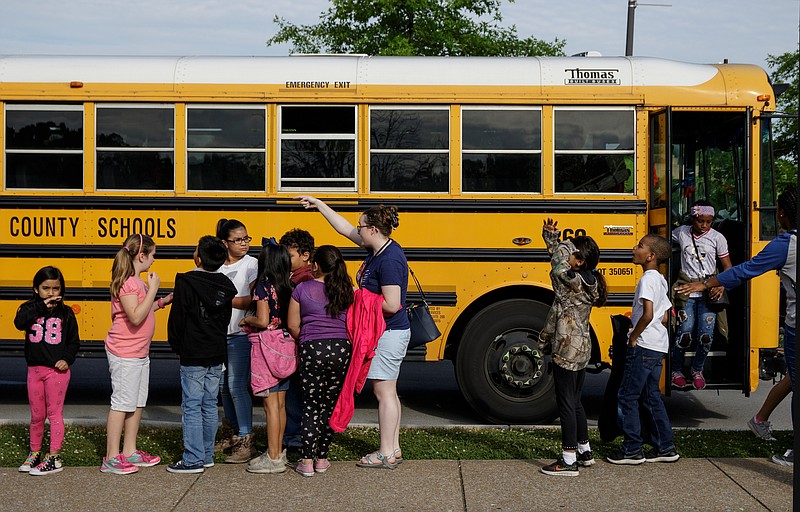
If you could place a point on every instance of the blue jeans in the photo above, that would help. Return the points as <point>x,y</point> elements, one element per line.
<point>236,400</point>
<point>199,389</point>
<point>294,412</point>
<point>640,380</point>
<point>694,317</point>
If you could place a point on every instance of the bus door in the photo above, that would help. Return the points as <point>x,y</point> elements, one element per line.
<point>660,190</point>
<point>705,155</point>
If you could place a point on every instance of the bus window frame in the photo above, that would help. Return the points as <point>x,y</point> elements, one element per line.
<point>280,137</point>
<point>38,107</point>
<point>134,149</point>
<point>556,152</point>
<point>540,151</point>
<point>264,149</point>
<point>448,151</point>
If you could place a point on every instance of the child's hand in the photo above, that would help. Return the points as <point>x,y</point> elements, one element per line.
<point>550,225</point>
<point>716,292</point>
<point>52,302</point>
<point>168,299</point>
<point>153,281</point>
<point>61,365</point>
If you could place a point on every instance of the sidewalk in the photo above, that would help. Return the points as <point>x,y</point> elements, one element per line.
<point>441,485</point>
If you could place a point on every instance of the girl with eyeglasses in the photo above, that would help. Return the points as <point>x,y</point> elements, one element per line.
<point>237,405</point>
<point>133,304</point>
<point>384,272</point>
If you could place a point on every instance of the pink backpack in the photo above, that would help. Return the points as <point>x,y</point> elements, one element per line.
<point>274,351</point>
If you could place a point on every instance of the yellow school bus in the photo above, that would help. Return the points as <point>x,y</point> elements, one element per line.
<point>475,153</point>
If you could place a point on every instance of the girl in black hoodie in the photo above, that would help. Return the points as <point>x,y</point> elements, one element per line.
<point>51,343</point>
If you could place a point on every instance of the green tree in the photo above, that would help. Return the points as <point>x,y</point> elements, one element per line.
<point>785,71</point>
<point>412,27</point>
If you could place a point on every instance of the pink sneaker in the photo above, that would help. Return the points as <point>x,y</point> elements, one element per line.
<point>678,380</point>
<point>698,381</point>
<point>321,466</point>
<point>118,466</point>
<point>143,459</point>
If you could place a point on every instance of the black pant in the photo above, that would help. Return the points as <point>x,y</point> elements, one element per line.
<point>323,366</point>
<point>569,386</point>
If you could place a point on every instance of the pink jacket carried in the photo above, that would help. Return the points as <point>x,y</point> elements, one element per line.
<point>365,325</point>
<point>273,357</point>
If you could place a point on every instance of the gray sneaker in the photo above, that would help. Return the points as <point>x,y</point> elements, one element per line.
<point>761,429</point>
<point>263,464</point>
<point>787,459</point>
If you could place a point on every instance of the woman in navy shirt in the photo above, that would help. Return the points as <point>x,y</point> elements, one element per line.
<point>385,272</point>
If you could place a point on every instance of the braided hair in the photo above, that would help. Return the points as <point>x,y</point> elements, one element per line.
<point>787,202</point>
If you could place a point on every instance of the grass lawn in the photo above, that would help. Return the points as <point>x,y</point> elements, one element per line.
<point>85,446</point>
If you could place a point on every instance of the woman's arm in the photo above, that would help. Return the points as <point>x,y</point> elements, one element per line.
<point>339,223</point>
<point>293,319</point>
<point>391,299</point>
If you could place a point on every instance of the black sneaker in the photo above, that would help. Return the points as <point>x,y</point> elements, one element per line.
<point>561,468</point>
<point>182,467</point>
<point>665,456</point>
<point>585,459</point>
<point>621,457</point>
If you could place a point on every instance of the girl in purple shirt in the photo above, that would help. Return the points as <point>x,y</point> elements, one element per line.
<point>317,313</point>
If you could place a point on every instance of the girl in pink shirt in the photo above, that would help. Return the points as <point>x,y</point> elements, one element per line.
<point>127,347</point>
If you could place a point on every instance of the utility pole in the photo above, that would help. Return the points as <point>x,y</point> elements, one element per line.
<point>632,4</point>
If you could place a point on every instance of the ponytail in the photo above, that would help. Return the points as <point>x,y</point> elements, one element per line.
<point>123,266</point>
<point>338,285</point>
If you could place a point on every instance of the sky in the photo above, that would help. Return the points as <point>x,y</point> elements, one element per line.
<point>702,31</point>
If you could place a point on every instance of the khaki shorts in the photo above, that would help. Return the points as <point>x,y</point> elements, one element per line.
<point>391,350</point>
<point>130,381</point>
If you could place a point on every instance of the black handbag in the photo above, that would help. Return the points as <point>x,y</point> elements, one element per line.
<point>423,327</point>
<point>715,305</point>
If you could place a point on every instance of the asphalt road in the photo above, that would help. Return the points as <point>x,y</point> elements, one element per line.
<point>428,391</point>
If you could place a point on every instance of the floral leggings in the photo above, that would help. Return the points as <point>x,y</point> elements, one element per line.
<point>323,366</point>
<point>46,390</point>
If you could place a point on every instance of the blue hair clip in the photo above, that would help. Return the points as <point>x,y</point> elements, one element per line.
<point>269,241</point>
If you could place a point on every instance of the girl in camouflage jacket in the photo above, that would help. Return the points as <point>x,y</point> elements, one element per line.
<point>577,286</point>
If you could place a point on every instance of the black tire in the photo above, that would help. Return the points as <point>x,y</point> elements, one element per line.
<point>499,367</point>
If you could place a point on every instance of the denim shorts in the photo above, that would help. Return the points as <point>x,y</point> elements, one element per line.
<point>391,350</point>
<point>281,386</point>
<point>130,381</point>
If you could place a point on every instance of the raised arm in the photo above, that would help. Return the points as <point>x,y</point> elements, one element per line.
<point>339,223</point>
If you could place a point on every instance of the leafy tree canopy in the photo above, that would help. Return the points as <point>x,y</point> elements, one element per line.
<point>412,27</point>
<point>785,71</point>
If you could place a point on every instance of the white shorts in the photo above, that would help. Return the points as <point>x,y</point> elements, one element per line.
<point>130,381</point>
<point>391,350</point>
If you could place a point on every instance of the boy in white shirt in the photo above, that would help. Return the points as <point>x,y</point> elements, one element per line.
<point>648,343</point>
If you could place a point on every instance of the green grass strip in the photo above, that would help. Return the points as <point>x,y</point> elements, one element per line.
<point>86,445</point>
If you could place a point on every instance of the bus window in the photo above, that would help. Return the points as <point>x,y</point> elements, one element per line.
<point>317,147</point>
<point>135,147</point>
<point>409,150</point>
<point>226,148</point>
<point>44,146</point>
<point>591,148</point>
<point>501,150</point>
<point>768,202</point>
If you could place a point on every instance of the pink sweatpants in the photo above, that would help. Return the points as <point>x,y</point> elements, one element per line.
<point>46,390</point>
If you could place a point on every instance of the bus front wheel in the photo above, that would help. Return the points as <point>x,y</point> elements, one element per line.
<point>499,367</point>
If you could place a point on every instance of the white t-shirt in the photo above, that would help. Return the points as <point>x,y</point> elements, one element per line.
<point>241,274</point>
<point>653,287</point>
<point>711,245</point>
